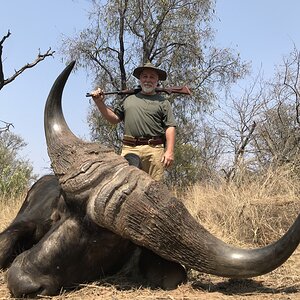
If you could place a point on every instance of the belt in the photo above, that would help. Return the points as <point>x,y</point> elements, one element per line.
<point>137,141</point>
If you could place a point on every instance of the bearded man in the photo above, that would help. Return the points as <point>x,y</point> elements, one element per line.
<point>149,124</point>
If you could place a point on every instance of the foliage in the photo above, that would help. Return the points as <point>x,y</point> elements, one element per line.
<point>15,173</point>
<point>175,35</point>
<point>196,159</point>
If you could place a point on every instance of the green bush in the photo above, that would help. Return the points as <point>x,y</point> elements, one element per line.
<point>15,173</point>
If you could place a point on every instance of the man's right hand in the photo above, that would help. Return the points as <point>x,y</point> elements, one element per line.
<point>98,95</point>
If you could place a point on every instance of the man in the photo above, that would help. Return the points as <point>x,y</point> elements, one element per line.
<point>149,124</point>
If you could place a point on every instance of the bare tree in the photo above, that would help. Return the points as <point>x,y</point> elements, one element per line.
<point>6,126</point>
<point>15,173</point>
<point>261,129</point>
<point>4,81</point>
<point>278,136</point>
<point>40,57</point>
<point>236,123</point>
<point>291,79</point>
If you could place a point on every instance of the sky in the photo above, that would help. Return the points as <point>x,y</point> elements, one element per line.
<point>262,31</point>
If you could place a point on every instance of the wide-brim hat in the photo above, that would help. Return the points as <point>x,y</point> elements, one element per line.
<point>162,75</point>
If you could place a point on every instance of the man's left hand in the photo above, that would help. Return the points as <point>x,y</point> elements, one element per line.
<point>167,159</point>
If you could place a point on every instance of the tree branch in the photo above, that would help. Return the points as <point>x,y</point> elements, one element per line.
<point>1,65</point>
<point>294,86</point>
<point>6,126</point>
<point>240,153</point>
<point>39,58</point>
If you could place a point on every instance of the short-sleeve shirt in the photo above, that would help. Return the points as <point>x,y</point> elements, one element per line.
<point>145,115</point>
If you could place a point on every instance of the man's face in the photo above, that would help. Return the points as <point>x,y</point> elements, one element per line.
<point>149,80</point>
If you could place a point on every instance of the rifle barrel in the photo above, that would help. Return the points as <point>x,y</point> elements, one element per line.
<point>176,90</point>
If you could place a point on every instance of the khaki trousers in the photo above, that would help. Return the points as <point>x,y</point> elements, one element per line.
<point>150,158</point>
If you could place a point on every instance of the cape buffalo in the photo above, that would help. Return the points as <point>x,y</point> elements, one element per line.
<point>123,202</point>
<point>80,250</point>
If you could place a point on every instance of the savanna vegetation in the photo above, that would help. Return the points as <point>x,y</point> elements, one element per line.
<point>251,215</point>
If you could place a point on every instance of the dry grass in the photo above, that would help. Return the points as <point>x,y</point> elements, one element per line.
<point>253,214</point>
<point>8,210</point>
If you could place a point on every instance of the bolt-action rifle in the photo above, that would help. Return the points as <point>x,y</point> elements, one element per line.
<point>169,90</point>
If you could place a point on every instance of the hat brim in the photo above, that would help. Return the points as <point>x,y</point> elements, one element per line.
<point>162,75</point>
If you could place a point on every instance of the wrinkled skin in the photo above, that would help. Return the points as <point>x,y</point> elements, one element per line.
<point>64,247</point>
<point>127,202</point>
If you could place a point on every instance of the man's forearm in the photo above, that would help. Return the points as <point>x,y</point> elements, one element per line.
<point>170,139</point>
<point>107,113</point>
<point>168,156</point>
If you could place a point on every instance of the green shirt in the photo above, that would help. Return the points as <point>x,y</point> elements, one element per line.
<point>145,115</point>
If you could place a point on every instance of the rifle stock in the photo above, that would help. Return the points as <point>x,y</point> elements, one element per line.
<point>174,90</point>
<point>169,90</point>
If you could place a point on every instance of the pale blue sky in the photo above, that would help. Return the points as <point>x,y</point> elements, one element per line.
<point>262,31</point>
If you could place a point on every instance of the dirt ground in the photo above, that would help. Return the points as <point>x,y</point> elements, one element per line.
<point>283,283</point>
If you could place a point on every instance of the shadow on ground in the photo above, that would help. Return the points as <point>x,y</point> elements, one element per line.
<point>242,287</point>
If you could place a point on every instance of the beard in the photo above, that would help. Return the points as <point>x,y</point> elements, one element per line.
<point>148,89</point>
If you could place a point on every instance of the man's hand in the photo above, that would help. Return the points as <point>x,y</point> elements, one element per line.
<point>98,95</point>
<point>167,159</point>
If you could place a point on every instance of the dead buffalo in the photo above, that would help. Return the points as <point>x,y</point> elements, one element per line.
<point>75,249</point>
<point>124,201</point>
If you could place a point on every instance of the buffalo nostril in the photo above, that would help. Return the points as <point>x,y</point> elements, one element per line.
<point>21,284</point>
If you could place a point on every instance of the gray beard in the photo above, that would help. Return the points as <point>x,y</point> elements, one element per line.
<point>147,90</point>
